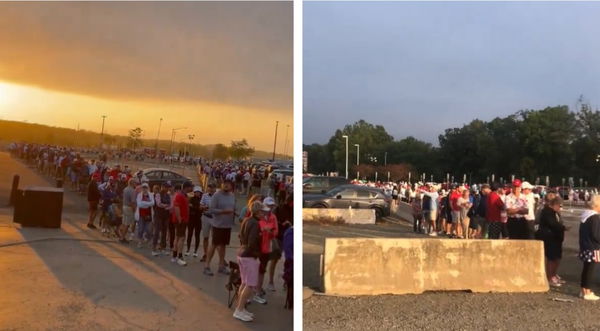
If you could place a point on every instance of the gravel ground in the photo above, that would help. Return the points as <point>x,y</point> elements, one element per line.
<point>444,310</point>
<point>450,311</point>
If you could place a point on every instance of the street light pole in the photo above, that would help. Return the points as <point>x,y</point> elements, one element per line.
<point>287,129</point>
<point>357,158</point>
<point>102,132</point>
<point>190,137</point>
<point>173,137</point>
<point>346,137</point>
<point>385,160</point>
<point>156,143</point>
<point>275,140</point>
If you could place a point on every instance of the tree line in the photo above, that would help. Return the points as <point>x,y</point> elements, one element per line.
<point>552,142</point>
<point>11,131</point>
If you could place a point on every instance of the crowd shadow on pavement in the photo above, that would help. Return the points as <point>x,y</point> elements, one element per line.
<point>81,269</point>
<point>266,317</point>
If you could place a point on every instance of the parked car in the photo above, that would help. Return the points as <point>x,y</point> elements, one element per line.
<point>346,196</point>
<point>321,184</point>
<point>158,176</point>
<point>282,172</point>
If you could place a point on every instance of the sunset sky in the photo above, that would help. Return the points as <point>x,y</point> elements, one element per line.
<point>224,70</point>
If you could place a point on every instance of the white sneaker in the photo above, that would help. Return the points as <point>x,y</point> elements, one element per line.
<point>155,253</point>
<point>248,313</point>
<point>166,252</point>
<point>241,316</point>
<point>433,234</point>
<point>195,255</point>
<point>173,259</point>
<point>181,262</point>
<point>259,299</point>
<point>186,253</point>
<point>271,287</point>
<point>591,297</point>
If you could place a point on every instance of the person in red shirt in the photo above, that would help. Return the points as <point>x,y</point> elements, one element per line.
<point>454,195</point>
<point>495,206</point>
<point>180,218</point>
<point>115,172</point>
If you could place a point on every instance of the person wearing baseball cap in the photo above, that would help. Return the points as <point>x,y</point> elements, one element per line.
<point>248,260</point>
<point>161,216</point>
<point>455,229</point>
<point>270,229</point>
<point>516,209</point>
<point>195,223</point>
<point>206,218</point>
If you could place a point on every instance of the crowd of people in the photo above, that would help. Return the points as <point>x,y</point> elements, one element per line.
<point>176,220</point>
<point>517,211</point>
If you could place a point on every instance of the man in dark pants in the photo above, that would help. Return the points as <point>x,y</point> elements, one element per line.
<point>481,212</point>
<point>195,223</point>
<point>162,213</point>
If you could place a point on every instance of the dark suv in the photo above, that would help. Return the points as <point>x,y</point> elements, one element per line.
<point>159,176</point>
<point>321,184</point>
<point>345,196</point>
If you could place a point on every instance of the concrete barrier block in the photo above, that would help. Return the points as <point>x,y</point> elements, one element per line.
<point>361,266</point>
<point>347,216</point>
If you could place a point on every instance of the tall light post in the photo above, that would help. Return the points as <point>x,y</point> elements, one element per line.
<point>157,135</point>
<point>287,129</point>
<point>385,160</point>
<point>102,132</point>
<point>173,131</point>
<point>190,137</point>
<point>275,140</point>
<point>357,158</point>
<point>346,137</point>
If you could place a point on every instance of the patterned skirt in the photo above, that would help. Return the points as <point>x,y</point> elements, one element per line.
<point>589,256</point>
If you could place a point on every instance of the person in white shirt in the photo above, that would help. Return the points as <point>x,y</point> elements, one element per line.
<point>517,208</point>
<point>144,213</point>
<point>530,216</point>
<point>206,218</point>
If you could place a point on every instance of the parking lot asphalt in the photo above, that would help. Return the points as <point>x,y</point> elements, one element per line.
<point>75,278</point>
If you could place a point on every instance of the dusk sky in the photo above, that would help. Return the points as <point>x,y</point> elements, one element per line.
<point>224,70</point>
<point>419,68</point>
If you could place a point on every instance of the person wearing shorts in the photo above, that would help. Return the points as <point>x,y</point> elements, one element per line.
<point>129,198</point>
<point>206,219</point>
<point>222,208</point>
<point>250,250</point>
<point>180,219</point>
<point>221,236</point>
